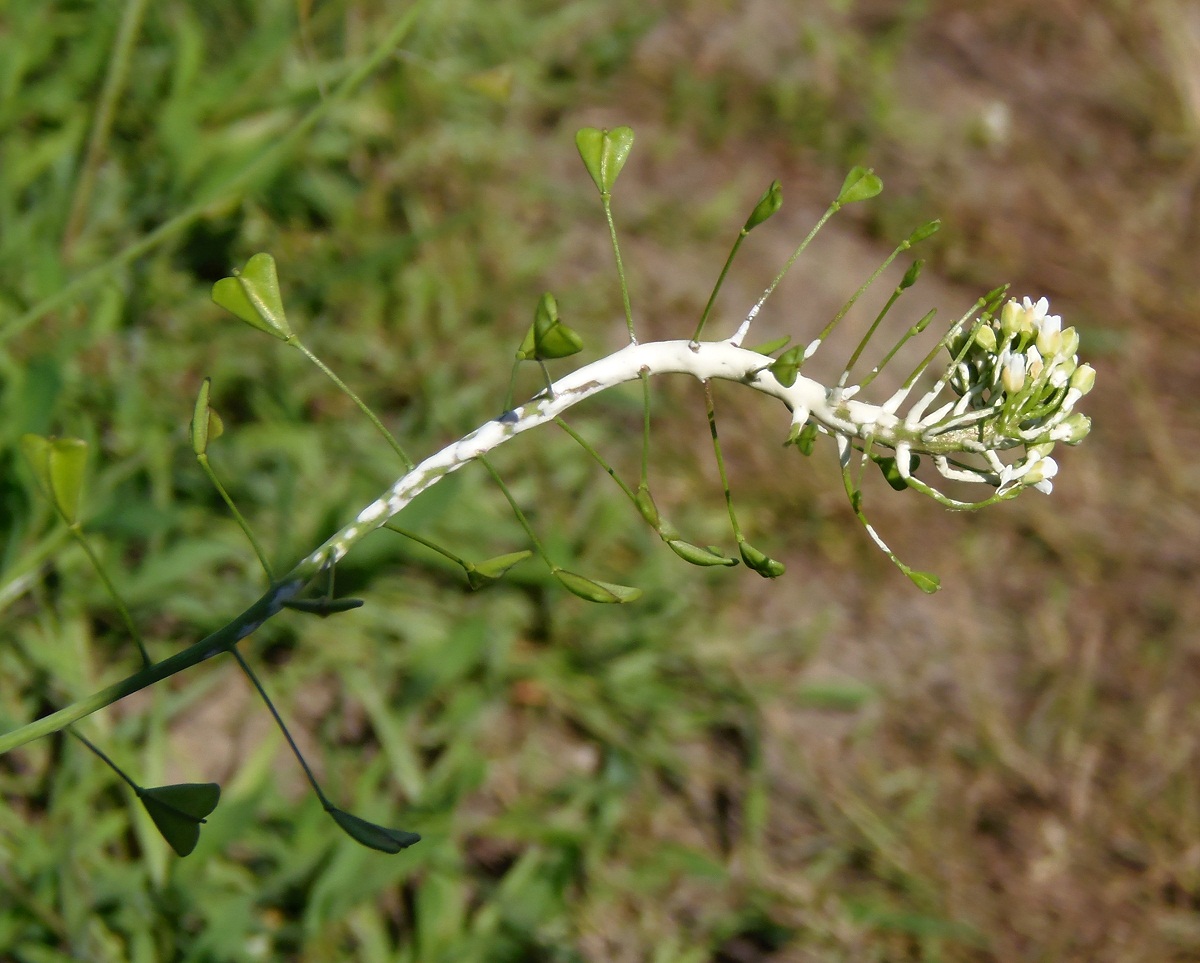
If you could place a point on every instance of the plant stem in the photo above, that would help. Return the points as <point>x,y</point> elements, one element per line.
<point>238,517</point>
<point>254,680</point>
<point>77,534</point>
<point>704,362</point>
<point>520,514</point>
<point>107,761</point>
<point>606,200</point>
<point>712,428</point>
<point>362,405</point>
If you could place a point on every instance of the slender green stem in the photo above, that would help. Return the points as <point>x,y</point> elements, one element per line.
<point>606,200</point>
<point>512,386</point>
<point>712,428</point>
<point>829,212</point>
<point>941,343</point>
<point>546,376</point>
<point>107,761</point>
<point>712,298</point>
<point>907,336</point>
<point>242,523</point>
<point>114,83</point>
<point>212,644</point>
<point>891,301</point>
<point>362,405</point>
<point>599,459</point>
<point>77,534</point>
<point>421,540</point>
<point>853,299</point>
<point>254,680</point>
<point>233,189</point>
<point>520,514</point>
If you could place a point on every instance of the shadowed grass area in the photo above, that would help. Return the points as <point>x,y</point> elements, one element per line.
<point>825,767</point>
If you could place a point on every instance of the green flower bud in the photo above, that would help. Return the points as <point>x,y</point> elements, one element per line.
<point>1083,378</point>
<point>985,337</point>
<point>1012,316</point>
<point>1074,429</point>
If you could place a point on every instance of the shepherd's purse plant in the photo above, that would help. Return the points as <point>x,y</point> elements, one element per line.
<point>986,406</point>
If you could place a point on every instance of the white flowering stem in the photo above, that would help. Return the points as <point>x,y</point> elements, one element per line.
<point>804,398</point>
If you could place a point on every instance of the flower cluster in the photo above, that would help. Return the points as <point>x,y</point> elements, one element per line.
<point>1017,379</point>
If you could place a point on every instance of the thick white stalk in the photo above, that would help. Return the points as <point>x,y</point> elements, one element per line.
<point>703,360</point>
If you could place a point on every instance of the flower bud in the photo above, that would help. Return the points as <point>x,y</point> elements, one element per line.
<point>1083,378</point>
<point>1073,430</point>
<point>1012,377</point>
<point>1070,342</point>
<point>985,337</point>
<point>1049,335</point>
<point>1011,317</point>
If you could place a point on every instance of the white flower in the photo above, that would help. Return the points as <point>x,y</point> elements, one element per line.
<point>1040,474</point>
<point>1035,312</point>
<point>1049,334</point>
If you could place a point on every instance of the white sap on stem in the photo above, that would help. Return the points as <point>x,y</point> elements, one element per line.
<point>724,360</point>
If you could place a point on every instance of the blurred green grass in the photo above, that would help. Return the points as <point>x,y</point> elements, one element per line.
<point>823,768</point>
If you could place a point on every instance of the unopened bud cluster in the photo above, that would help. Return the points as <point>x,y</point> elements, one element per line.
<point>1018,378</point>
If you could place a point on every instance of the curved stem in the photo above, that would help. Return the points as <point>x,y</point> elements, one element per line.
<point>705,361</point>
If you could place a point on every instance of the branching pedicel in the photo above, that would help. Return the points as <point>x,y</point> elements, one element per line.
<point>992,416</point>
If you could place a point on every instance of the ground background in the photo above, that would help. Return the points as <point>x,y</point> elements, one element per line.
<point>830,766</point>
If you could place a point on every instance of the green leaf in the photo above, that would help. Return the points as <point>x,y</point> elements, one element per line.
<point>787,366</point>
<point>771,346</point>
<point>860,184</point>
<point>206,423</point>
<point>697,555</point>
<point>372,835</point>
<point>767,205</point>
<point>488,571</point>
<point>323,607</point>
<point>179,809</point>
<point>58,467</point>
<point>253,295</point>
<point>764,565</point>
<point>593,590</point>
<point>604,153</point>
